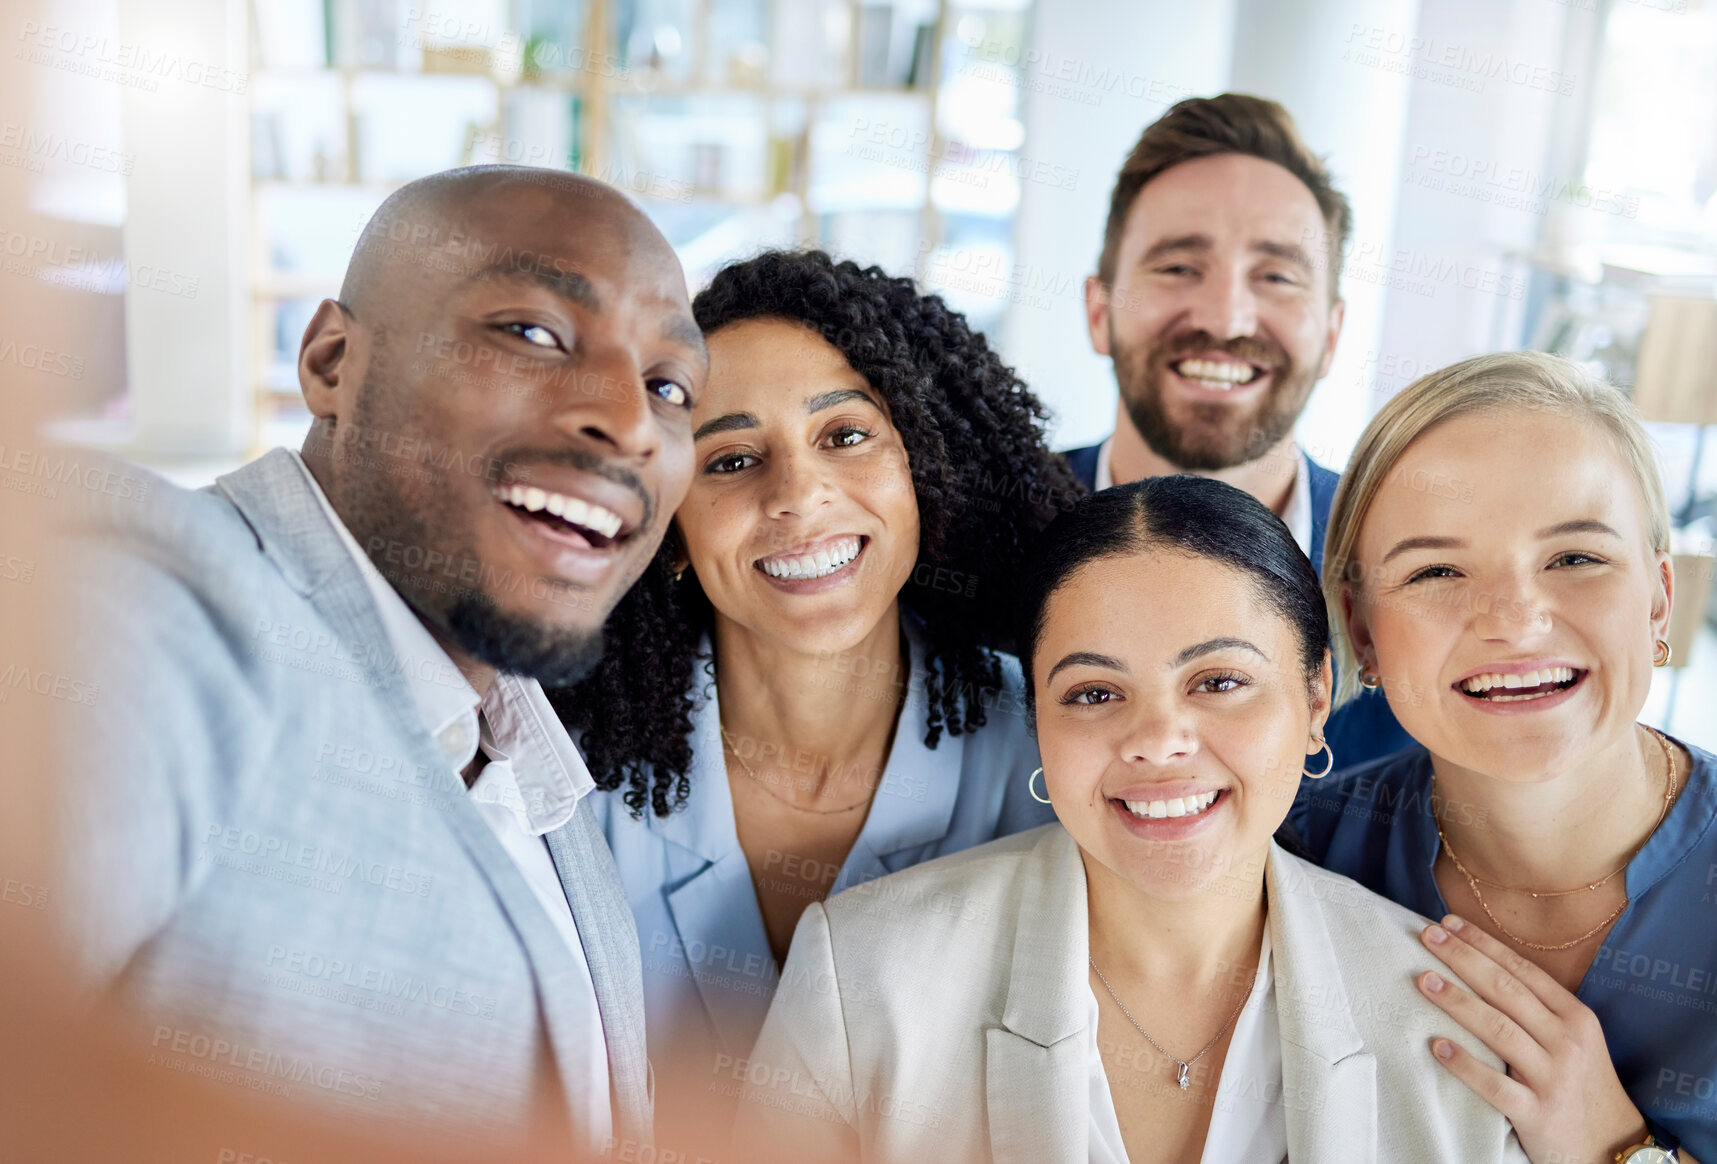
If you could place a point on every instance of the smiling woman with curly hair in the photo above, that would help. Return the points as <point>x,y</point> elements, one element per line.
<point>807,688</point>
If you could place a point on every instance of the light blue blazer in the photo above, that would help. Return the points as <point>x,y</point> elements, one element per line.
<point>268,857</point>
<point>708,973</point>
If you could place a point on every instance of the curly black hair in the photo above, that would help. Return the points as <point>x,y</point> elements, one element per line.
<point>986,484</point>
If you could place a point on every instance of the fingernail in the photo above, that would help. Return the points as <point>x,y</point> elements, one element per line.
<point>1443,1049</point>
<point>1434,982</point>
<point>1455,924</point>
<point>1436,935</point>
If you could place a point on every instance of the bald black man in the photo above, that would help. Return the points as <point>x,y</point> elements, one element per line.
<point>329,841</point>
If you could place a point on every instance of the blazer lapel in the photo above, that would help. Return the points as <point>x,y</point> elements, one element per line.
<point>1036,1069</point>
<point>1329,1079</point>
<point>715,911</point>
<point>273,497</point>
<point>609,937</point>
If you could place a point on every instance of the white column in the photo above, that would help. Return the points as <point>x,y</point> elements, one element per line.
<point>186,111</point>
<point>1328,62</point>
<point>1098,72</point>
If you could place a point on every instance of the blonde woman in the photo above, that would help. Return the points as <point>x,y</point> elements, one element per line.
<point>1498,564</point>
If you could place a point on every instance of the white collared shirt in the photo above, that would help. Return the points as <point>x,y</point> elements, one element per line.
<point>530,786</point>
<point>1248,1120</point>
<point>1296,514</point>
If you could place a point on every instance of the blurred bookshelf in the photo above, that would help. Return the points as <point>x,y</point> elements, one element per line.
<point>884,132</point>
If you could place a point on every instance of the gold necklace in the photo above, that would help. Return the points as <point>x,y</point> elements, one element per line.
<point>764,784</point>
<point>1473,882</point>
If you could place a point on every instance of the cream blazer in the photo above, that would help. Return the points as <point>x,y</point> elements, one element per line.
<point>939,1015</point>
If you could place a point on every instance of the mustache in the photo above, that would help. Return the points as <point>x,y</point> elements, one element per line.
<point>1250,348</point>
<point>587,462</point>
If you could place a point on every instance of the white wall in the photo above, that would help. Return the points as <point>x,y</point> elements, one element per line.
<point>187,223</point>
<point>1102,72</point>
<point>1351,108</point>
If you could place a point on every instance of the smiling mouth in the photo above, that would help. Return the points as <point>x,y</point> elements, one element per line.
<point>820,563</point>
<point>1179,806</point>
<point>563,513</point>
<point>1220,375</point>
<point>1495,687</point>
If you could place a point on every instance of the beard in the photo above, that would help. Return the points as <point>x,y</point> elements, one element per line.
<point>416,532</point>
<point>1205,436</point>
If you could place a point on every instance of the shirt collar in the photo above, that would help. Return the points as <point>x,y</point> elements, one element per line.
<point>1104,477</point>
<point>1296,514</point>
<point>533,766</point>
<point>446,701</point>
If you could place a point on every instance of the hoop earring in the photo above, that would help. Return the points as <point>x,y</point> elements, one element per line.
<point>1031,787</point>
<point>1327,767</point>
<point>1661,657</point>
<point>1369,681</point>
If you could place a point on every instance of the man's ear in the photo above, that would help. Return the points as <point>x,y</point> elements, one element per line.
<point>1097,314</point>
<point>1337,313</point>
<point>323,360</point>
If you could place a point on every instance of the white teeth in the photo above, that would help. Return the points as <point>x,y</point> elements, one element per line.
<point>1178,806</point>
<point>818,564</point>
<point>1492,680</point>
<point>1222,374</point>
<point>571,509</point>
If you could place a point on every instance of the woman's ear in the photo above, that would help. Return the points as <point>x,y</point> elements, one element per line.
<point>1663,598</point>
<point>1358,630</point>
<point>1323,684</point>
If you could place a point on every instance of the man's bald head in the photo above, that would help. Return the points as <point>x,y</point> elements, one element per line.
<point>436,225</point>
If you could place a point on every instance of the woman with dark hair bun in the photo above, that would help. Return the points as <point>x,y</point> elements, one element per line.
<point>1151,978</point>
<point>807,689</point>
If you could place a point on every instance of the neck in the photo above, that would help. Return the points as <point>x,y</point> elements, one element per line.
<point>828,717</point>
<point>1557,833</point>
<point>316,454</point>
<point>1269,477</point>
<point>1199,938</point>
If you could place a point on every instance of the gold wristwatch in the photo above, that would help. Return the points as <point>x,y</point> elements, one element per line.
<point>1646,1152</point>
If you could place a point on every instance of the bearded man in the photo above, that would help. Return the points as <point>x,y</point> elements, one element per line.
<point>1217,299</point>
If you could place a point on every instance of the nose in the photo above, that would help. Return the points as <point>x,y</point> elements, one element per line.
<point>606,403</point>
<point>1510,615</point>
<point>799,484</point>
<point>1161,734</point>
<point>1224,304</point>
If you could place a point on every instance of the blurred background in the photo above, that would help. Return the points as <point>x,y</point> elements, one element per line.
<point>186,181</point>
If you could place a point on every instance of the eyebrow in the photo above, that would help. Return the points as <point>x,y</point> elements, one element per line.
<point>1425,542</point>
<point>1560,529</point>
<point>725,423</point>
<point>1223,643</point>
<point>838,396</point>
<point>1086,659</point>
<point>684,330</point>
<point>1582,525</point>
<point>569,285</point>
<point>1289,252</point>
<point>738,420</point>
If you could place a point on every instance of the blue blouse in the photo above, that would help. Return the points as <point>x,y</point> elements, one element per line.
<point>1653,984</point>
<point>709,975</point>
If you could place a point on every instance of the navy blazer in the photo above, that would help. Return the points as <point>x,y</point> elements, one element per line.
<point>1365,728</point>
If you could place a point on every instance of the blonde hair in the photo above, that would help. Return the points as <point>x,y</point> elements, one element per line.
<point>1506,381</point>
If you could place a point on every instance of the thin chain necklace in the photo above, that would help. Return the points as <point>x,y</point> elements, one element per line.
<point>1474,882</point>
<point>764,784</point>
<point>1183,1065</point>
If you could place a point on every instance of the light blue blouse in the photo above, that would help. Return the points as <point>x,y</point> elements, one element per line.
<point>708,972</point>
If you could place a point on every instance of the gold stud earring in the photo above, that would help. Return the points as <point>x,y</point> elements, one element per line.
<point>1661,656</point>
